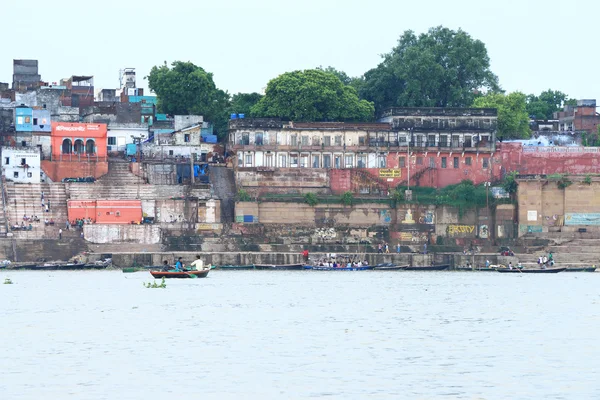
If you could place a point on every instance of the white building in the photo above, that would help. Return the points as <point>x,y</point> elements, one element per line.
<point>21,165</point>
<point>120,135</point>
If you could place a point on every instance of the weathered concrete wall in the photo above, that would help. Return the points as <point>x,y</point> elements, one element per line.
<point>32,250</point>
<point>147,234</point>
<point>283,180</point>
<point>176,210</point>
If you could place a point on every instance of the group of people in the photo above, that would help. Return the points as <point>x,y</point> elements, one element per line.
<point>545,261</point>
<point>196,265</point>
<point>33,218</point>
<point>79,222</point>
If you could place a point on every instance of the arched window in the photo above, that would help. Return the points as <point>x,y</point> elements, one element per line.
<point>78,146</point>
<point>66,146</point>
<point>90,147</point>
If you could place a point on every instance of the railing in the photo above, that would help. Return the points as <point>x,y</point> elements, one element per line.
<point>71,157</point>
<point>560,149</point>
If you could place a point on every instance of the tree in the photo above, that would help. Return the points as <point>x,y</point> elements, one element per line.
<point>188,89</point>
<point>312,95</point>
<point>440,68</point>
<point>513,120</point>
<point>243,102</point>
<point>544,105</point>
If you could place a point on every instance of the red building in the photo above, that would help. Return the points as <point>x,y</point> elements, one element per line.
<point>106,211</point>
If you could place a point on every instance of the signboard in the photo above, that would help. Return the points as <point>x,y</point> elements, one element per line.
<point>390,173</point>
<point>532,215</point>
<point>582,219</point>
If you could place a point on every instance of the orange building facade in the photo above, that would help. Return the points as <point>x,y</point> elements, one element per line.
<point>71,140</point>
<point>105,211</point>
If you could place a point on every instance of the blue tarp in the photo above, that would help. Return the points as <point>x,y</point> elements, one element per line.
<point>131,149</point>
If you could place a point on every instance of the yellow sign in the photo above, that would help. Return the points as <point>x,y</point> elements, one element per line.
<point>390,173</point>
<point>458,229</point>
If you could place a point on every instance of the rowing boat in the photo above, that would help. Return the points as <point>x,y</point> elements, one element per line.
<point>531,271</point>
<point>179,274</point>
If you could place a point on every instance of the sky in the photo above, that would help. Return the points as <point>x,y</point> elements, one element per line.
<point>533,45</point>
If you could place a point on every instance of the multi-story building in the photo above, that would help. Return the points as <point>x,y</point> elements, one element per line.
<point>426,146</point>
<point>582,117</point>
<point>21,165</point>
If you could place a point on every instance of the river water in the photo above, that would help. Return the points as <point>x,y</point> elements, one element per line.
<point>301,334</point>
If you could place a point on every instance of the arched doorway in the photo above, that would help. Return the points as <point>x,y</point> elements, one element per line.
<point>66,146</point>
<point>78,147</point>
<point>90,146</point>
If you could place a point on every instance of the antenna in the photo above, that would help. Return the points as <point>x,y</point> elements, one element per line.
<point>121,78</point>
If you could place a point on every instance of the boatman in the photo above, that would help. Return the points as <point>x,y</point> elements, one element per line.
<point>179,265</point>
<point>305,255</point>
<point>198,264</point>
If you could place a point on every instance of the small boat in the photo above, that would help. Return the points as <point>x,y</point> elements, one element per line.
<point>428,268</point>
<point>59,266</point>
<point>138,269</point>
<point>180,274</point>
<point>323,268</point>
<point>390,267</point>
<point>581,269</point>
<point>474,269</point>
<point>284,267</point>
<point>532,271</point>
<point>233,267</point>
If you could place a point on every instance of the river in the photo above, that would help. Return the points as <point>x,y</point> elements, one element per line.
<point>300,334</point>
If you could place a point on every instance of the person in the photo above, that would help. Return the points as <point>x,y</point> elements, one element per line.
<point>46,221</point>
<point>23,224</point>
<point>398,248</point>
<point>198,264</point>
<point>305,255</point>
<point>510,265</point>
<point>81,234</point>
<point>165,266</point>
<point>551,259</point>
<point>179,264</point>
<point>519,266</point>
<point>59,233</point>
<point>487,263</point>
<point>425,248</point>
<point>380,248</point>
<point>42,195</point>
<point>545,261</point>
<point>387,248</point>
<point>47,208</point>
<point>539,261</point>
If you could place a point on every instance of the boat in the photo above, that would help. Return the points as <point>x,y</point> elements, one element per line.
<point>323,268</point>
<point>59,266</point>
<point>473,269</point>
<point>180,274</point>
<point>427,267</point>
<point>532,270</point>
<point>285,267</point>
<point>233,267</point>
<point>138,269</point>
<point>21,266</point>
<point>581,269</point>
<point>390,267</point>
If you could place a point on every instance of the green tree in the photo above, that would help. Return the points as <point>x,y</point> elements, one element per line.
<point>510,183</point>
<point>243,102</point>
<point>544,105</point>
<point>440,68</point>
<point>513,120</point>
<point>312,95</point>
<point>187,89</point>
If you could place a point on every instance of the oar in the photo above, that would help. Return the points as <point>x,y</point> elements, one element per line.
<point>191,275</point>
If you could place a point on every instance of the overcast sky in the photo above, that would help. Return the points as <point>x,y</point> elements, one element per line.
<point>533,44</point>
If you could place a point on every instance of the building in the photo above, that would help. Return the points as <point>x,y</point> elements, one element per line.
<point>21,165</point>
<point>122,134</point>
<point>75,139</point>
<point>423,146</point>
<point>582,117</point>
<point>25,75</point>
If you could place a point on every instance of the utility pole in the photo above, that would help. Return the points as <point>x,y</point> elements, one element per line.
<point>191,167</point>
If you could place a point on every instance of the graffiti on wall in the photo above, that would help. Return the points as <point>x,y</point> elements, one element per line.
<point>413,236</point>
<point>582,219</point>
<point>427,217</point>
<point>385,216</point>
<point>325,233</point>
<point>484,231</point>
<point>460,229</point>
<point>530,228</point>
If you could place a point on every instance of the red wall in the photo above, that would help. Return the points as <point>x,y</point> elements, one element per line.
<point>57,170</point>
<point>549,160</point>
<point>106,211</point>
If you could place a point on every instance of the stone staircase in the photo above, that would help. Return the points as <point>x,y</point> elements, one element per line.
<point>25,199</point>
<point>119,173</point>
<point>3,210</point>
<point>118,191</point>
<point>567,250</point>
<point>223,181</point>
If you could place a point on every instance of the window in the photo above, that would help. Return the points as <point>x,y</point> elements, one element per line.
<point>381,161</point>
<point>455,141</point>
<point>327,141</point>
<point>186,137</point>
<point>443,162</point>
<point>443,140</point>
<point>455,162</point>
<point>6,160</point>
<point>316,141</point>
<point>294,140</point>
<point>248,160</point>
<point>349,161</point>
<point>419,160</point>
<point>402,162</point>
<point>431,162</point>
<point>362,141</point>
<point>258,139</point>
<point>23,161</point>
<point>245,139</point>
<point>326,161</point>
<point>304,140</point>
<point>316,163</point>
<point>112,141</point>
<point>337,160</point>
<point>486,162</point>
<point>361,162</point>
<point>282,161</point>
<point>170,152</point>
<point>402,140</point>
<point>35,121</point>
<point>23,143</point>
<point>468,160</point>
<point>29,175</point>
<point>338,140</point>
<point>268,160</point>
<point>15,174</point>
<point>467,142</point>
<point>419,140</point>
<point>294,161</point>
<point>431,140</point>
<point>304,161</point>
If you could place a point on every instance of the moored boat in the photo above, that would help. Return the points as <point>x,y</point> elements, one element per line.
<point>233,267</point>
<point>531,271</point>
<point>474,269</point>
<point>59,266</point>
<point>180,274</point>
<point>427,267</point>
<point>581,269</point>
<point>285,267</point>
<point>323,268</point>
<point>390,267</point>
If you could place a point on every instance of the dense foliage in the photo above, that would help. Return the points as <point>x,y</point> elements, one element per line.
<point>440,68</point>
<point>513,121</point>
<point>546,104</point>
<point>312,95</point>
<point>242,103</point>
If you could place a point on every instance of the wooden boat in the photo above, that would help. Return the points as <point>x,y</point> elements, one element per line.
<point>531,271</point>
<point>233,267</point>
<point>138,269</point>
<point>428,268</point>
<point>59,266</point>
<point>390,267</point>
<point>473,269</point>
<point>322,268</point>
<point>179,274</point>
<point>581,269</point>
<point>22,266</point>
<point>284,267</point>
